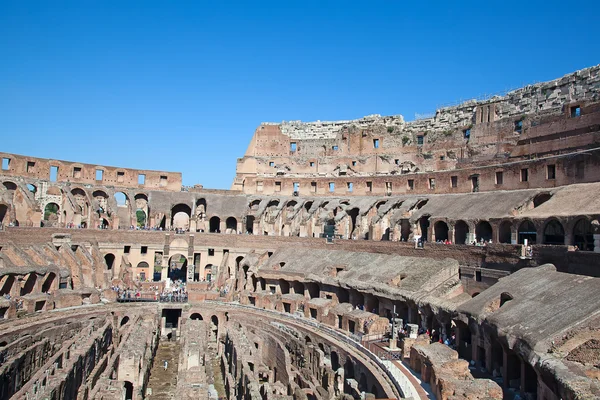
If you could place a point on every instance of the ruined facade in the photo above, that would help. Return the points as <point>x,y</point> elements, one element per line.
<point>342,264</point>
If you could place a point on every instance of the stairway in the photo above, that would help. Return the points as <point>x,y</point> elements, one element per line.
<point>162,384</point>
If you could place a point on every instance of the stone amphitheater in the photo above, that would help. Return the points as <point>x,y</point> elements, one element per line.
<point>453,257</point>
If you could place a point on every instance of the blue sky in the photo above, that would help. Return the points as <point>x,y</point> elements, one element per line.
<point>182,85</point>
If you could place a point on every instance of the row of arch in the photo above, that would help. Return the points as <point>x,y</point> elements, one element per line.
<point>552,232</point>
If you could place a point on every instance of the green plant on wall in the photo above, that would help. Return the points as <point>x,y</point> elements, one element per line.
<point>405,140</point>
<point>390,129</point>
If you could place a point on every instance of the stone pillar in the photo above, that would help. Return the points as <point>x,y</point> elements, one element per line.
<point>164,273</point>
<point>191,269</point>
<point>470,237</point>
<point>514,236</point>
<point>596,243</point>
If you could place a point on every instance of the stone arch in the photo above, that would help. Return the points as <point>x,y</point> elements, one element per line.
<point>29,284</point>
<point>47,285</point>
<point>527,231</point>
<point>284,286</point>
<point>180,216</point>
<point>423,225</point>
<point>405,230</point>
<point>51,214</point>
<point>208,273</point>
<point>128,387</point>
<point>273,203</point>
<point>583,236</point>
<point>335,361</point>
<point>231,225</point>
<point>483,230</point>
<point>541,198</point>
<point>250,224</point>
<point>196,317</point>
<point>554,232</point>
<point>201,207</point>
<point>505,232</point>
<point>214,224</point>
<point>461,231</point>
<point>144,270</point>
<point>109,260</point>
<point>8,285</point>
<point>177,269</point>
<point>440,230</point>
<point>8,185</point>
<point>4,214</point>
<point>142,210</point>
<point>254,205</point>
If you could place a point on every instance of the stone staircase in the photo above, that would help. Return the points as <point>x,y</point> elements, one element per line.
<point>163,383</point>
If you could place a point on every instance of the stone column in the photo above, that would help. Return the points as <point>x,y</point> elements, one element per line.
<point>596,243</point>
<point>470,237</point>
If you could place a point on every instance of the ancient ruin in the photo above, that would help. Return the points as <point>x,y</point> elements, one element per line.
<point>450,257</point>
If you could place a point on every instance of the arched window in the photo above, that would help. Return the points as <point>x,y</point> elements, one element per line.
<point>554,233</point>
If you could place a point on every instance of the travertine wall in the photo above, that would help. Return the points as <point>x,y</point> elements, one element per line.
<point>532,121</point>
<point>74,172</point>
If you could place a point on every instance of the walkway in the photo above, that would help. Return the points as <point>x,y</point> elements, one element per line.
<point>163,383</point>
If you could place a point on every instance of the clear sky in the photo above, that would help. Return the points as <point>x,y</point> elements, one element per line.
<point>182,85</point>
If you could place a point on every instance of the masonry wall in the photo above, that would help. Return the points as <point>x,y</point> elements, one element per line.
<point>67,171</point>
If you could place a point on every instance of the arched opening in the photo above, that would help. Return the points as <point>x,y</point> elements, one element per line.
<point>504,298</point>
<point>541,199</point>
<point>424,227</point>
<point>461,230</point>
<point>335,361</point>
<point>3,214</point>
<point>215,225</point>
<point>7,286</point>
<point>140,217</point>
<point>51,214</point>
<point>177,268</point>
<point>313,290</point>
<point>201,207</point>
<point>308,205</point>
<point>298,287</point>
<point>143,271</point>
<point>374,391</point>
<point>231,225</point>
<point>10,185</point>
<point>82,200</point>
<point>123,210</point>
<point>405,230</point>
<point>349,369</point>
<point>124,321</point>
<point>505,232</point>
<point>353,215</point>
<point>527,232</point>
<point>554,233</point>
<point>32,188</point>
<point>362,383</point>
<point>48,282</point>
<point>250,224</point>
<point>440,230</point>
<point>196,317</point>
<point>214,322</point>
<point>128,386</point>
<point>29,284</point>
<point>284,286</point>
<point>208,275</point>
<point>180,216</point>
<point>583,236</point>
<point>109,260</point>
<point>483,230</point>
